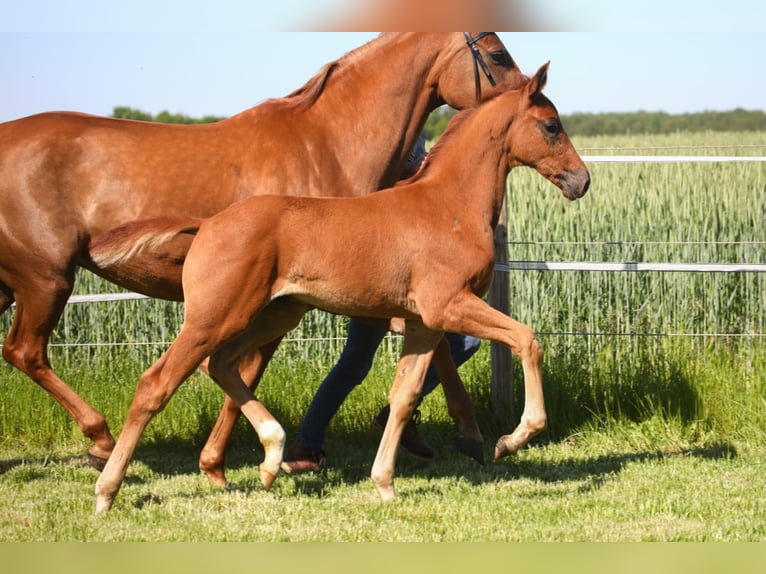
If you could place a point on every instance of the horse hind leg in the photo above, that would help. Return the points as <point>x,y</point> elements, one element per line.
<point>213,455</point>
<point>224,369</point>
<point>158,384</point>
<point>245,359</point>
<point>25,347</point>
<point>155,388</point>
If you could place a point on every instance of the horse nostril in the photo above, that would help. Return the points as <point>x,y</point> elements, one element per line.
<point>574,183</point>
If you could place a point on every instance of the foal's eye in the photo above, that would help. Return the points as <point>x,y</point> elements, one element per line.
<point>501,58</point>
<point>552,127</point>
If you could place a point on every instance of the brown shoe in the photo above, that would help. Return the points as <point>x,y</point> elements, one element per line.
<point>300,458</point>
<point>411,439</point>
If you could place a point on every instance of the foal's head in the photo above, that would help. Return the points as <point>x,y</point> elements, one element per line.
<point>537,139</point>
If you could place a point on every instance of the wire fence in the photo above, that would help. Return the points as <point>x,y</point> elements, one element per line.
<point>564,266</point>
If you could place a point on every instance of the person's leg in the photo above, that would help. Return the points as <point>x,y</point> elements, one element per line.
<point>355,361</point>
<point>463,348</point>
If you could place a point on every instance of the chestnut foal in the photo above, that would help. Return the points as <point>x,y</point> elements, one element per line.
<point>422,250</point>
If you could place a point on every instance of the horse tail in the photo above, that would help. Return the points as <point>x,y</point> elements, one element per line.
<point>120,244</point>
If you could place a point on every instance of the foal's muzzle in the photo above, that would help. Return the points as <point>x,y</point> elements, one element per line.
<point>574,184</point>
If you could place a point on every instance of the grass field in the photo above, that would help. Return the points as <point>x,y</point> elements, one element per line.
<point>657,405</point>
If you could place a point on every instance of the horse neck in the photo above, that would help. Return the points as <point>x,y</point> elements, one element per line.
<point>472,161</point>
<point>372,108</point>
<point>388,85</point>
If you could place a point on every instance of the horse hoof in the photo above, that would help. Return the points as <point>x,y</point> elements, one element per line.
<point>502,449</point>
<point>97,462</point>
<point>386,493</point>
<point>472,448</point>
<point>216,478</point>
<point>103,505</point>
<point>267,477</point>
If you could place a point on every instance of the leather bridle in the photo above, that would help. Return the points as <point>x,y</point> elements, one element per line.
<point>478,60</point>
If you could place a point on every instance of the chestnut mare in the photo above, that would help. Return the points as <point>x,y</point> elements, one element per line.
<point>422,250</point>
<point>346,132</point>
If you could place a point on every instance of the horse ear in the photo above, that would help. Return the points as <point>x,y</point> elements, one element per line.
<point>538,81</point>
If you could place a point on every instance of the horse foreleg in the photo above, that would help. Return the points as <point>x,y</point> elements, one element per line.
<point>213,454</point>
<point>155,388</point>
<point>472,316</point>
<point>459,404</point>
<point>37,312</point>
<point>418,348</point>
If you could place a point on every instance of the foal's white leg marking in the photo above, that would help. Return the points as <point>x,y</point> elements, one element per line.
<point>269,431</point>
<point>273,438</point>
<point>224,364</point>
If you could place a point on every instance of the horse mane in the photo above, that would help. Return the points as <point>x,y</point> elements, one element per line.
<point>457,120</point>
<point>307,95</point>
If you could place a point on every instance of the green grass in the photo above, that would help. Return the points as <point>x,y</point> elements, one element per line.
<point>578,490</point>
<point>616,464</point>
<point>654,434</point>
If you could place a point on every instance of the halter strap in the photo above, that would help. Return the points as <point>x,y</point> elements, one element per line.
<point>478,60</point>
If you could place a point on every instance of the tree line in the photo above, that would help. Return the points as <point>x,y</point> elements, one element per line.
<point>582,124</point>
<point>165,117</point>
<point>641,122</point>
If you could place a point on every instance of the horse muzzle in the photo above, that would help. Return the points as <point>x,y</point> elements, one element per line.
<point>574,184</point>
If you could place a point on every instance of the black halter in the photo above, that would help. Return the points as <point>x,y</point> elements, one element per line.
<point>478,60</point>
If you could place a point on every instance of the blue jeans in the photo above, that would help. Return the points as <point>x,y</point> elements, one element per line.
<point>352,367</point>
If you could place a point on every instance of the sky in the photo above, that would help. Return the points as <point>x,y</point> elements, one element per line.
<point>218,58</point>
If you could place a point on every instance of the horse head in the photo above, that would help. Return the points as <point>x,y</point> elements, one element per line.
<point>472,64</point>
<point>536,138</point>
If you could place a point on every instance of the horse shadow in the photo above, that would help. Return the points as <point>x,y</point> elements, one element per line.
<point>354,466</point>
<point>350,458</point>
<point>351,452</point>
<point>33,467</point>
<point>356,452</point>
<point>638,394</point>
<point>174,457</point>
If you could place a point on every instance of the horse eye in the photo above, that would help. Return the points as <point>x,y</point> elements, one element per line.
<point>501,58</point>
<point>552,127</point>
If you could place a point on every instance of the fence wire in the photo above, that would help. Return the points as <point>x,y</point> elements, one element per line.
<point>556,265</point>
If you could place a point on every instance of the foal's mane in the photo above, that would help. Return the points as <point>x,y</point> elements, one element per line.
<point>454,124</point>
